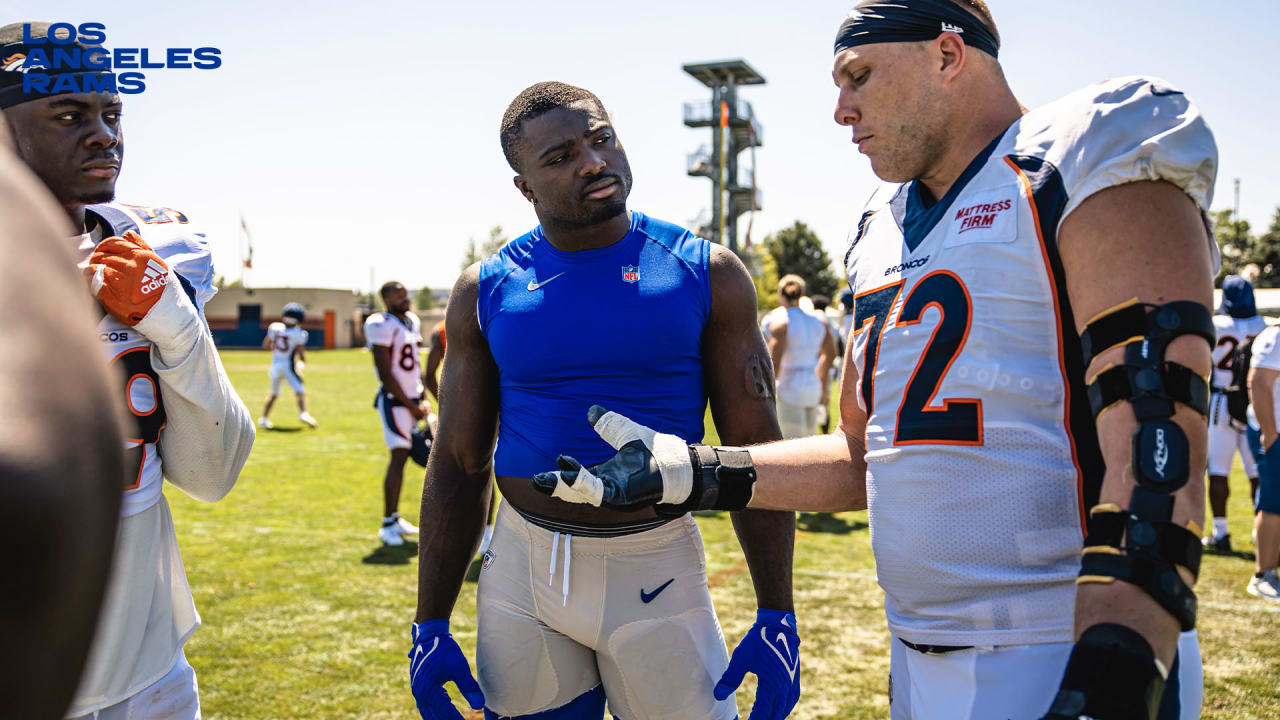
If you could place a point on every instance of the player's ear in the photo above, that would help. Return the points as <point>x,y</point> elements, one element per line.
<point>523,186</point>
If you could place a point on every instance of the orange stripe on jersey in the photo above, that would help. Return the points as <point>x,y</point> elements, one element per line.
<point>1057,318</point>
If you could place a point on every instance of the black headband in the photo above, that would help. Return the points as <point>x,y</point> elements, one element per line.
<point>880,21</point>
<point>13,68</point>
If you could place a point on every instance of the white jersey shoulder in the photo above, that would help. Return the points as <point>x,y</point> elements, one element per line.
<point>1266,349</point>
<point>179,242</point>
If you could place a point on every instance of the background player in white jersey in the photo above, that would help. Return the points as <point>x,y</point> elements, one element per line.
<point>1264,391</point>
<point>802,350</point>
<point>152,275</point>
<point>1237,322</point>
<point>287,342</point>
<point>1031,342</point>
<point>57,584</point>
<point>395,338</point>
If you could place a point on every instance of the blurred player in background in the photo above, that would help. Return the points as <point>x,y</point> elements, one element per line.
<point>1237,322</point>
<point>288,344</point>
<point>575,604</point>
<point>1029,357</point>
<point>1264,391</point>
<point>152,274</point>
<point>395,339</point>
<point>802,349</point>
<point>56,585</point>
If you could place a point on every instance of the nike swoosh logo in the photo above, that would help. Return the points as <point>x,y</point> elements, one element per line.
<point>534,286</point>
<point>792,665</point>
<point>648,597</point>
<point>413,671</point>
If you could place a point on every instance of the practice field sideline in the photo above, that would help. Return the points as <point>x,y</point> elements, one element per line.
<point>306,615</point>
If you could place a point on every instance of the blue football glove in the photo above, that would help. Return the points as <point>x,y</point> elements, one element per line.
<point>435,660</point>
<point>771,651</point>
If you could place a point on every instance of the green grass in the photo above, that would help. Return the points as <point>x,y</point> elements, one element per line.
<point>307,616</point>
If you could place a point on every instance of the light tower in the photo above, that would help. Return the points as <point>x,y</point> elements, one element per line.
<point>734,128</point>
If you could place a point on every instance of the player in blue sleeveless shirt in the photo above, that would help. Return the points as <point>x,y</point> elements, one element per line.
<point>578,605</point>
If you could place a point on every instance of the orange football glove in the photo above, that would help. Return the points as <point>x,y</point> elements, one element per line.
<point>127,277</point>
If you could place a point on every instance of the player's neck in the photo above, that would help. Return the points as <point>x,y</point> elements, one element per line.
<point>970,135</point>
<point>77,215</point>
<point>575,238</point>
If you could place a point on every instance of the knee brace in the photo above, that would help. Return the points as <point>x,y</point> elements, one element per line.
<point>1152,544</point>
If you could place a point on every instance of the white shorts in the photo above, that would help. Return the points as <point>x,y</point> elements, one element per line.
<point>175,696</point>
<point>284,372</point>
<point>397,423</point>
<point>797,421</point>
<point>559,615</point>
<point>1016,682</point>
<point>1225,440</point>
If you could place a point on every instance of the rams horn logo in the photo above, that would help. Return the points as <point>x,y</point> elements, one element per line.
<point>14,63</point>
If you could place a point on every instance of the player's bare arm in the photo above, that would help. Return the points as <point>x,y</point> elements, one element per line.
<point>1146,241</point>
<point>743,410</point>
<point>456,494</point>
<point>382,362</point>
<point>432,369</point>
<point>823,473</point>
<point>777,342</point>
<point>826,358</point>
<point>1261,381</point>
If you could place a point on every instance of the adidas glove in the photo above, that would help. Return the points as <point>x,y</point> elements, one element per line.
<point>652,469</point>
<point>137,287</point>
<point>435,660</point>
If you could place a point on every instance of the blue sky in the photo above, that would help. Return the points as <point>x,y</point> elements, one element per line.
<point>359,141</point>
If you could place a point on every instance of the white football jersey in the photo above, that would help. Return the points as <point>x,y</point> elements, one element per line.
<point>148,612</point>
<point>285,341</point>
<point>981,449</point>
<point>1266,354</point>
<point>405,340</point>
<point>1232,333</point>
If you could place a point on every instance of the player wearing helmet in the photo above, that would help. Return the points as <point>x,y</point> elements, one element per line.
<point>287,341</point>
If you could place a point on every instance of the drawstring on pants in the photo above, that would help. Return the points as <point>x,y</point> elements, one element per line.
<point>568,562</point>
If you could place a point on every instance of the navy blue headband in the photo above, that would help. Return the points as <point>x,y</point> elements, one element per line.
<point>880,21</point>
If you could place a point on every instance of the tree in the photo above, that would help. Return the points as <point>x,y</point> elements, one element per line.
<point>424,300</point>
<point>475,254</point>
<point>1234,242</point>
<point>764,273</point>
<point>797,250</point>
<point>1266,254</point>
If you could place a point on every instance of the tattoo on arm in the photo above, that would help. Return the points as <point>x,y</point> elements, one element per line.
<point>759,377</point>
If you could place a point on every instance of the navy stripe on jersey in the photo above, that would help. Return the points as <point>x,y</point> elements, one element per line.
<point>1049,197</point>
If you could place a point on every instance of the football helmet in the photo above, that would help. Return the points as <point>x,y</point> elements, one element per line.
<point>295,312</point>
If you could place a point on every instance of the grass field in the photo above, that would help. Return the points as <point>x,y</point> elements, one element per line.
<point>306,615</point>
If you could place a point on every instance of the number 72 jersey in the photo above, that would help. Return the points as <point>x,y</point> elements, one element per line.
<point>981,449</point>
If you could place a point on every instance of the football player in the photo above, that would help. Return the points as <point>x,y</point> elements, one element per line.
<point>1237,322</point>
<point>1264,386</point>
<point>152,274</point>
<point>288,344</point>
<point>64,460</point>
<point>1025,380</point>
<point>577,605</point>
<point>395,339</point>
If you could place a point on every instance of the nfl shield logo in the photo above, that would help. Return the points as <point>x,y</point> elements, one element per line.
<point>630,273</point>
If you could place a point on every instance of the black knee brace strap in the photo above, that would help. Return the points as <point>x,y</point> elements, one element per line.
<point>1112,673</point>
<point>1153,546</point>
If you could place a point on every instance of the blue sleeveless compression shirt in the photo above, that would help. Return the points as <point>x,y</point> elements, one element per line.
<point>620,326</point>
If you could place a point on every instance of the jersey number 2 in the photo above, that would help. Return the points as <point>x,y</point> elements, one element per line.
<point>958,421</point>
<point>142,396</point>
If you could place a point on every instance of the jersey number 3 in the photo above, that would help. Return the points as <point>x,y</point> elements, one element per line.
<point>142,395</point>
<point>958,421</point>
